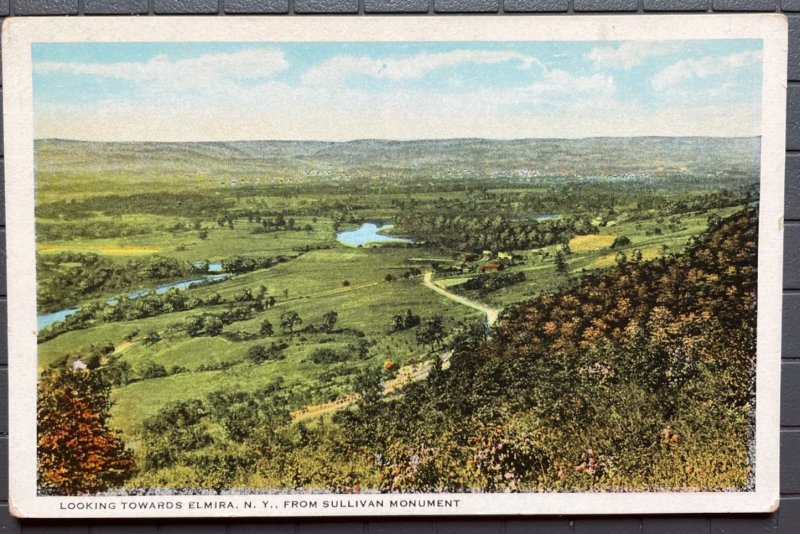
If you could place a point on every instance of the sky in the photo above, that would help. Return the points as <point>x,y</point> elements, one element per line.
<point>339,91</point>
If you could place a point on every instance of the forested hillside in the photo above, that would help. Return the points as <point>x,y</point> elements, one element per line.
<point>640,378</point>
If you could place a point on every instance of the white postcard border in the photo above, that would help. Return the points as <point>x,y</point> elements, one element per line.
<point>20,33</point>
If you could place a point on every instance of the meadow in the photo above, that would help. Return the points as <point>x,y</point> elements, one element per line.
<point>280,370</point>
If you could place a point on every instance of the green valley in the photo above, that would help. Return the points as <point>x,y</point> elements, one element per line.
<point>246,344</point>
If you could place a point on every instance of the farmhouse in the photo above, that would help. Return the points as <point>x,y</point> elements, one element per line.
<point>491,267</point>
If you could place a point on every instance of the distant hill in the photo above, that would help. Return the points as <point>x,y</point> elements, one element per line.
<point>420,159</point>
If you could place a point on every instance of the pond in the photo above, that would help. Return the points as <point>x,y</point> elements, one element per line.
<point>47,319</point>
<point>368,233</point>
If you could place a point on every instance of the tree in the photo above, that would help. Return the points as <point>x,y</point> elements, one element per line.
<point>78,453</point>
<point>257,354</point>
<point>213,325</point>
<point>266,328</point>
<point>389,278</point>
<point>152,337</point>
<point>329,321</point>
<point>194,325</point>
<point>243,295</point>
<point>153,370</point>
<point>620,241</point>
<point>289,320</point>
<point>431,332</point>
<point>560,263</point>
<point>202,234</point>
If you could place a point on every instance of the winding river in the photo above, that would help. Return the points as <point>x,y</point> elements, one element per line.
<point>47,319</point>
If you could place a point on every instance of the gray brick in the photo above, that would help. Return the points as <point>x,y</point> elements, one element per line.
<point>3,403</point>
<point>466,6</point>
<point>268,526</point>
<point>54,526</point>
<point>789,516</point>
<point>8,523</point>
<point>670,525</point>
<point>608,526</point>
<point>46,7</point>
<point>192,527</point>
<point>331,527</point>
<point>397,6</point>
<point>3,330</point>
<point>400,526</point>
<point>2,187</point>
<point>791,256</point>
<point>794,47</point>
<point>790,467</point>
<point>3,262</point>
<point>792,196</point>
<point>745,5</point>
<point>606,5</point>
<point>115,7</point>
<point>467,526</point>
<point>326,6</point>
<point>538,526</point>
<point>790,394</point>
<point>764,524</point>
<point>256,6</point>
<point>791,334</point>
<point>188,7</point>
<point>790,5</point>
<point>541,6</point>
<point>677,5</point>
<point>2,128</point>
<point>793,117</point>
<point>3,471</point>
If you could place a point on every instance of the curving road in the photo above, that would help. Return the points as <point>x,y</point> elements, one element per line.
<point>491,313</point>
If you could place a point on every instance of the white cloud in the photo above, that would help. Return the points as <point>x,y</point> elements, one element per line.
<point>338,68</point>
<point>559,83</point>
<point>242,65</point>
<point>211,98</point>
<point>687,69</point>
<point>627,55</point>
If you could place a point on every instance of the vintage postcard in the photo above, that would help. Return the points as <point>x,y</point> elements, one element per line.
<point>394,266</point>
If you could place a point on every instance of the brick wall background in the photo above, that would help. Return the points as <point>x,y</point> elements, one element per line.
<point>785,521</point>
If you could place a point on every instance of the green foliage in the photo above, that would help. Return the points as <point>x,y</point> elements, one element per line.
<point>431,332</point>
<point>487,283</point>
<point>329,321</point>
<point>325,355</point>
<point>620,241</point>
<point>405,321</point>
<point>260,353</point>
<point>266,328</point>
<point>289,320</point>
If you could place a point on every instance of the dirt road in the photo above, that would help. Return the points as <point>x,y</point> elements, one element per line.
<point>491,313</point>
